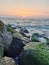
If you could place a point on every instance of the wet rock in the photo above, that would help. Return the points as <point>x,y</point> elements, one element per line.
<point>25,32</point>
<point>7,61</point>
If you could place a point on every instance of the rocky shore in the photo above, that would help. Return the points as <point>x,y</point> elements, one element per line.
<point>17,48</point>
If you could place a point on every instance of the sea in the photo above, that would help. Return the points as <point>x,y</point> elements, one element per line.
<point>32,24</point>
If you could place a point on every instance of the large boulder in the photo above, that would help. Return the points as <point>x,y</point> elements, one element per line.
<point>37,54</point>
<point>15,47</point>
<point>5,36</point>
<point>7,61</point>
<point>11,41</point>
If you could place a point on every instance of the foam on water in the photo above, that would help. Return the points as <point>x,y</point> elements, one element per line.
<point>40,25</point>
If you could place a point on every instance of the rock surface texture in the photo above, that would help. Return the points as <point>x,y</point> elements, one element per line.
<point>7,61</point>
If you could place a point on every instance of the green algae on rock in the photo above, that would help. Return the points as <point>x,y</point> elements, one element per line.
<point>35,37</point>
<point>14,32</point>
<point>38,54</point>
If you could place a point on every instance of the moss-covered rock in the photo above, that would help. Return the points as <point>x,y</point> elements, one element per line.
<point>39,38</point>
<point>17,34</point>
<point>14,32</point>
<point>7,61</point>
<point>10,29</point>
<point>35,37</point>
<point>38,55</point>
<point>1,51</point>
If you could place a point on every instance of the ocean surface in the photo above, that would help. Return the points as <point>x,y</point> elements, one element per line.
<point>40,25</point>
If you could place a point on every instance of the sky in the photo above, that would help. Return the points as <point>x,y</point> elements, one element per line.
<point>24,7</point>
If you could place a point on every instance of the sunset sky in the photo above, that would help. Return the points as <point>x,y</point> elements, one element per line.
<point>24,7</point>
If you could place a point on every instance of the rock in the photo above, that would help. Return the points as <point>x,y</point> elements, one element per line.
<point>17,34</point>
<point>7,61</point>
<point>20,36</point>
<point>11,41</point>
<point>38,54</point>
<point>1,25</point>
<point>38,38</point>
<point>1,52</point>
<point>24,30</point>
<point>10,29</point>
<point>5,36</point>
<point>25,34</point>
<point>14,33</point>
<point>15,47</point>
<point>35,37</point>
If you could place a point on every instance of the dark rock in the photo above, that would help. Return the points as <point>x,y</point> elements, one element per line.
<point>15,47</point>
<point>24,30</point>
<point>25,35</point>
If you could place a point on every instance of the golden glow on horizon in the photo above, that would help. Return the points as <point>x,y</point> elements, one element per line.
<point>24,7</point>
<point>26,12</point>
